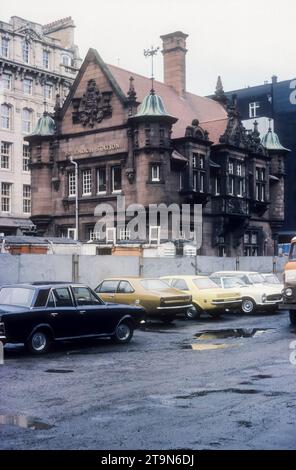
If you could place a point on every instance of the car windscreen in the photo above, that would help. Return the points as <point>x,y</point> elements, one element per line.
<point>154,284</point>
<point>204,283</point>
<point>18,296</point>
<point>271,279</point>
<point>233,282</point>
<point>256,278</point>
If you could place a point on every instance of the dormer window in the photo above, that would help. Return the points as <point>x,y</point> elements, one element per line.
<point>253,109</point>
<point>66,60</point>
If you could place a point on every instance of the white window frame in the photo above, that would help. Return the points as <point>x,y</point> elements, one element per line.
<point>8,81</point>
<point>239,169</point>
<point>253,107</point>
<point>6,155</point>
<point>231,185</point>
<point>26,199</point>
<point>47,91</point>
<point>216,186</point>
<point>6,117</point>
<point>102,169</point>
<point>27,124</point>
<point>202,180</point>
<point>5,40</point>
<point>154,238</point>
<point>240,191</point>
<point>72,184</point>
<point>28,82</point>
<point>6,197</point>
<point>26,158</point>
<point>45,58</point>
<point>116,191</point>
<point>69,60</point>
<point>155,172</point>
<point>86,182</point>
<point>71,233</point>
<point>26,51</point>
<point>231,167</point>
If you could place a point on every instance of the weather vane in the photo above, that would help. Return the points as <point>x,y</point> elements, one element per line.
<point>151,53</point>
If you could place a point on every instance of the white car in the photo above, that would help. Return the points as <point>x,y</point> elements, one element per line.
<point>271,278</point>
<point>256,294</point>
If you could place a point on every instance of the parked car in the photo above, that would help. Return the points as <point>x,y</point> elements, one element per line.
<point>157,298</point>
<point>206,296</point>
<point>256,293</point>
<point>271,278</point>
<point>37,315</point>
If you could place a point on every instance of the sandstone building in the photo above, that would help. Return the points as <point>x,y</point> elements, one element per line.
<point>156,146</point>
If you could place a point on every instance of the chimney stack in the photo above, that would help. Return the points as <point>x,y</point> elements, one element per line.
<point>174,65</point>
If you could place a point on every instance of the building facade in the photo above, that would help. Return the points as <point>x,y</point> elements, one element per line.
<point>166,146</point>
<point>274,104</point>
<point>37,62</point>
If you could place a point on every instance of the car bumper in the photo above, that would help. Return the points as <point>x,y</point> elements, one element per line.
<point>287,306</point>
<point>175,308</point>
<point>227,303</point>
<point>269,303</point>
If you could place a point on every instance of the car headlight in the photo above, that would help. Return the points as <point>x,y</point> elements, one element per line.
<point>288,292</point>
<point>264,298</point>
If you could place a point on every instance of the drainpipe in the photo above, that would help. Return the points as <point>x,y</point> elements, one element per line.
<point>76,198</point>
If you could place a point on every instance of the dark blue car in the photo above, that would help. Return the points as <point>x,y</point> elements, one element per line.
<point>38,315</point>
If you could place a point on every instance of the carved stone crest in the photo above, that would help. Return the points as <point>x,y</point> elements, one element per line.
<point>93,107</point>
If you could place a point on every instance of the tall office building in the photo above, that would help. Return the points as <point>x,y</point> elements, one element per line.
<point>37,62</point>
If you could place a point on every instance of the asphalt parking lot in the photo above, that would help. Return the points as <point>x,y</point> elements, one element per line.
<point>211,384</point>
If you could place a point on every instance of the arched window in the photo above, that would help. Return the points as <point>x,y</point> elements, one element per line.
<point>6,110</point>
<point>26,51</point>
<point>27,120</point>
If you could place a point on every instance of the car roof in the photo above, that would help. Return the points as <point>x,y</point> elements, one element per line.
<point>186,276</point>
<point>235,273</point>
<point>38,285</point>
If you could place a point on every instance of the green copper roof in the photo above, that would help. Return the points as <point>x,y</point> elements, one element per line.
<point>271,142</point>
<point>152,107</point>
<point>45,125</point>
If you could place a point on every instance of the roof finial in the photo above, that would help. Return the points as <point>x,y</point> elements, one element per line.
<point>45,107</point>
<point>132,96</point>
<point>151,53</point>
<point>269,128</point>
<point>219,92</point>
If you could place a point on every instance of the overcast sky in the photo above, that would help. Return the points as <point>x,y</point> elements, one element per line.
<point>244,41</point>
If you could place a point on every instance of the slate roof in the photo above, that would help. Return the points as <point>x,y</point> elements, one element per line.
<point>211,115</point>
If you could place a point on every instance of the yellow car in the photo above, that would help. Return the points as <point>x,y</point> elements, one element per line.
<point>155,296</point>
<point>206,296</point>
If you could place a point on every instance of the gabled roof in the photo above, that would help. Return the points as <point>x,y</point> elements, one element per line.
<point>210,114</point>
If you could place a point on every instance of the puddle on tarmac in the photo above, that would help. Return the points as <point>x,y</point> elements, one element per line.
<point>207,346</point>
<point>232,333</point>
<point>59,371</point>
<point>22,421</point>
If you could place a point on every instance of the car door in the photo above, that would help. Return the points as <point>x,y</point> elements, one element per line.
<point>62,313</point>
<point>106,290</point>
<point>125,293</point>
<point>97,316</point>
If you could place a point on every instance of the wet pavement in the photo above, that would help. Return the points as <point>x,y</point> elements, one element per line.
<point>222,383</point>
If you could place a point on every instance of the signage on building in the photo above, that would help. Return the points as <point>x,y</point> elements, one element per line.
<point>97,148</point>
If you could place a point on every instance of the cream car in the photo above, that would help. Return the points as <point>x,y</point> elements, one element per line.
<point>256,293</point>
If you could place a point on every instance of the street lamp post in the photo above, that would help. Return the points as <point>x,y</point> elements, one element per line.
<point>76,198</point>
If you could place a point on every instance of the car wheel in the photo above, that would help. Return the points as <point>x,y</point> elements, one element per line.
<point>124,332</point>
<point>39,342</point>
<point>248,305</point>
<point>193,313</point>
<point>292,314</point>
